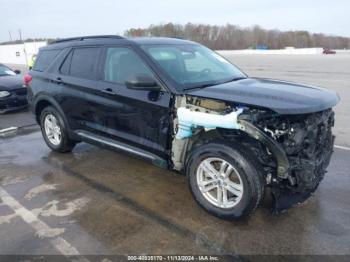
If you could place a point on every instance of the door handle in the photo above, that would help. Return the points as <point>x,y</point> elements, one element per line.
<point>108,91</point>
<point>58,80</point>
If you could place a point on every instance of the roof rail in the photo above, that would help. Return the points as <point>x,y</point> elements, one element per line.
<point>81,38</point>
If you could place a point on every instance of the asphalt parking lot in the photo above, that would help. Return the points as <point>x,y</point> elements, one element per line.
<point>93,201</point>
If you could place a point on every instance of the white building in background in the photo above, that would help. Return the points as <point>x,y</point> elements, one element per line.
<point>19,53</point>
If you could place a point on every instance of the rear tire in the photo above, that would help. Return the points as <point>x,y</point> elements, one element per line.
<point>216,167</point>
<point>55,131</point>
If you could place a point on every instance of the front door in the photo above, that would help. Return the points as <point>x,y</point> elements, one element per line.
<point>138,117</point>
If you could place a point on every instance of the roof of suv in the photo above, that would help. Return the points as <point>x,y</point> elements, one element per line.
<point>114,39</point>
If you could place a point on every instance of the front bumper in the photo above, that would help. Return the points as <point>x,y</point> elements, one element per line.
<point>309,176</point>
<point>15,101</point>
<point>307,169</point>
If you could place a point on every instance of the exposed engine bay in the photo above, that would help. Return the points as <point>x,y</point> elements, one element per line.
<point>293,150</point>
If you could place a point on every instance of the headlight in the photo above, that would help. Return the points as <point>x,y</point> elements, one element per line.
<point>4,94</point>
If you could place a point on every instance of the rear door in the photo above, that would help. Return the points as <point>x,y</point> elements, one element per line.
<point>79,86</point>
<point>138,117</point>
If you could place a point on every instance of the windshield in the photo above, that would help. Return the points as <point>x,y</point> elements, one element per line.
<point>193,66</point>
<point>5,71</point>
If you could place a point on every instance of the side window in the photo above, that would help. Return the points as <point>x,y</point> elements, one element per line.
<point>83,63</point>
<point>45,58</point>
<point>122,63</point>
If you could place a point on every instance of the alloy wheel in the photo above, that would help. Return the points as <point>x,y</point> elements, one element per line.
<point>52,129</point>
<point>219,182</point>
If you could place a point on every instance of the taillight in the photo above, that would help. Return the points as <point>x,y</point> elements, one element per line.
<point>27,79</point>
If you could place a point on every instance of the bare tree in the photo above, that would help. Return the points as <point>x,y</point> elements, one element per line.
<point>235,37</point>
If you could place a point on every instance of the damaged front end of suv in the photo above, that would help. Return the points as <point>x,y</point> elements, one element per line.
<point>235,135</point>
<point>293,150</point>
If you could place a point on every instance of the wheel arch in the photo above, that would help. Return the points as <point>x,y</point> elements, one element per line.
<point>44,101</point>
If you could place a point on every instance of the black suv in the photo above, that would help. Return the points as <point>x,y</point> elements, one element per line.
<point>183,107</point>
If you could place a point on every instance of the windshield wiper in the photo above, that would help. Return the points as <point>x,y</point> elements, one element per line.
<point>216,83</point>
<point>202,86</point>
<point>234,79</point>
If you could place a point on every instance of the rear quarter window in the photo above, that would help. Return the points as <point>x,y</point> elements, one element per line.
<point>45,58</point>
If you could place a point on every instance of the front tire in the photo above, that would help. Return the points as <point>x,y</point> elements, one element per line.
<point>54,131</point>
<point>225,180</point>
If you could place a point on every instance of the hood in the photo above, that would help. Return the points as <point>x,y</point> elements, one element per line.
<point>280,96</point>
<point>8,83</point>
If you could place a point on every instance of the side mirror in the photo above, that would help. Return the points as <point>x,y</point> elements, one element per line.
<point>142,82</point>
<point>17,71</point>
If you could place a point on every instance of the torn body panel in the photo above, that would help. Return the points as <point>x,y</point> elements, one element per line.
<point>293,150</point>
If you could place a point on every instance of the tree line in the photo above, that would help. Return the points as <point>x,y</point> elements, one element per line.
<point>232,36</point>
<point>235,37</point>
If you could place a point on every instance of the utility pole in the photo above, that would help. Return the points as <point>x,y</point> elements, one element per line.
<point>24,47</point>
<point>10,36</point>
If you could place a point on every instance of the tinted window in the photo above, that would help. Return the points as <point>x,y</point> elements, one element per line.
<point>122,63</point>
<point>44,59</point>
<point>84,62</point>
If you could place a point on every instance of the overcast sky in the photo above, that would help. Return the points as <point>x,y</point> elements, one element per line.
<point>66,18</point>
